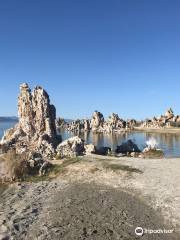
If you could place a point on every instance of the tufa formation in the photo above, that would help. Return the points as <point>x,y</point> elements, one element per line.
<point>36,129</point>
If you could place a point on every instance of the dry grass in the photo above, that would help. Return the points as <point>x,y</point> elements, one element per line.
<point>93,170</point>
<point>54,171</point>
<point>153,154</point>
<point>18,169</point>
<point>117,167</point>
<point>16,164</point>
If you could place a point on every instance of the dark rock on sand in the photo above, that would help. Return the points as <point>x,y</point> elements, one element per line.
<point>127,147</point>
<point>103,150</point>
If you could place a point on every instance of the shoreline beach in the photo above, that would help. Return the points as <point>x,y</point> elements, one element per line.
<point>152,185</point>
<point>158,130</point>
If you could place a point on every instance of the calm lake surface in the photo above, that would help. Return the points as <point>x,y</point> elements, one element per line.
<point>168,142</point>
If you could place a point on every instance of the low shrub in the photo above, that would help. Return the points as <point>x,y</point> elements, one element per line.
<point>153,153</point>
<point>16,164</point>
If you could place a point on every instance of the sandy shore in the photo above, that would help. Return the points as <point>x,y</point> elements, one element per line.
<point>96,199</point>
<point>158,130</point>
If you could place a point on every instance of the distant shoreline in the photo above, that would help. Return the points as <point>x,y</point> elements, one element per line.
<point>158,130</point>
<point>8,119</point>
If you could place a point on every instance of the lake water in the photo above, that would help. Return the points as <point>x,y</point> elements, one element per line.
<point>6,125</point>
<point>168,142</point>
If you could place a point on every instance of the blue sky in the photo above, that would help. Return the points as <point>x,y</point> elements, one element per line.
<point>109,55</point>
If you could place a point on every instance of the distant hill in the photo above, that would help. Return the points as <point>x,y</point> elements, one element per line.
<point>8,119</point>
<point>68,120</point>
<point>15,119</point>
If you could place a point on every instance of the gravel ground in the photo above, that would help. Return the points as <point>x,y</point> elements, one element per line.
<point>91,202</point>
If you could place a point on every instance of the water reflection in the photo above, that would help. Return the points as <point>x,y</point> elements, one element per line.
<point>168,142</point>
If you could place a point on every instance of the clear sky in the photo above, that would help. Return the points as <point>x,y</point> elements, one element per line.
<point>109,55</point>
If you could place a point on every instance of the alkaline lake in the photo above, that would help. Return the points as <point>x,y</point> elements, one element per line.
<point>168,142</point>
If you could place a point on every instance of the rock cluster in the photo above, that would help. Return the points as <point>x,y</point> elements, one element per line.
<point>115,124</point>
<point>76,146</point>
<point>128,148</point>
<point>36,129</point>
<point>98,124</point>
<point>78,125</point>
<point>71,147</point>
<point>19,166</point>
<point>166,120</point>
<point>36,164</point>
<point>90,148</point>
<point>60,123</point>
